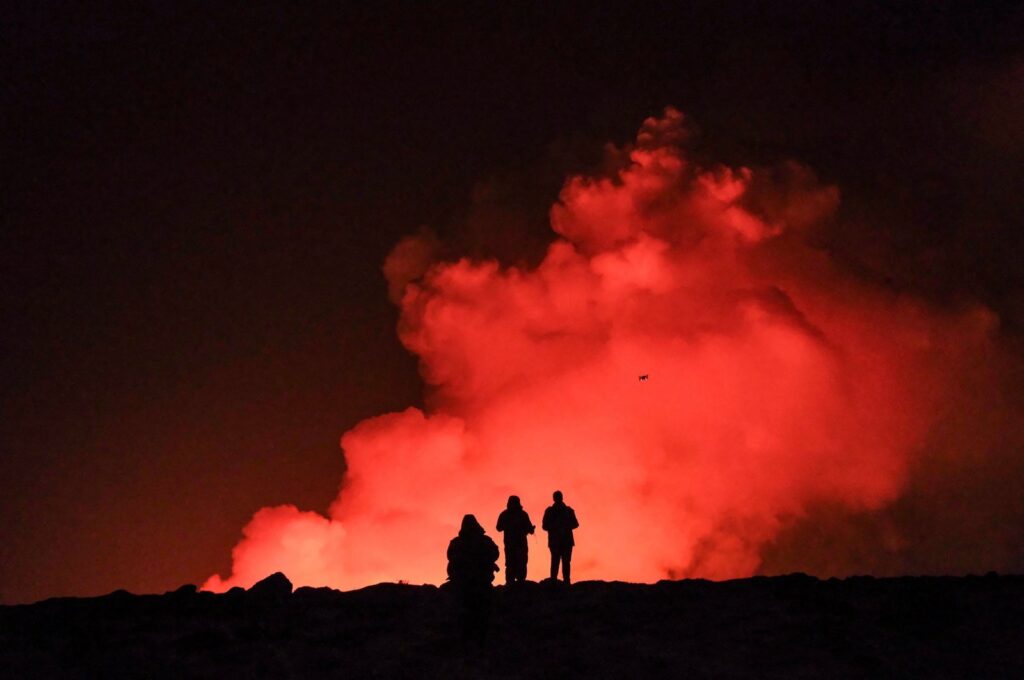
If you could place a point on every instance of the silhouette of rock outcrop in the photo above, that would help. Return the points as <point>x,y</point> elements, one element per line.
<point>187,590</point>
<point>782,627</point>
<point>274,587</point>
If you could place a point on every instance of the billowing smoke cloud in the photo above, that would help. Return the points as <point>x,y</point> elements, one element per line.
<point>779,382</point>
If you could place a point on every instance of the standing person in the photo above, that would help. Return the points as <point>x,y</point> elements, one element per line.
<point>515,524</point>
<point>559,521</point>
<point>472,557</point>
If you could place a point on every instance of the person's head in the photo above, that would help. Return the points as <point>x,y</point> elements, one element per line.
<point>514,503</point>
<point>470,525</point>
<point>557,496</point>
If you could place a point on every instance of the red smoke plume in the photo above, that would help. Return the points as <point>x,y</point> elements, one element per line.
<point>778,381</point>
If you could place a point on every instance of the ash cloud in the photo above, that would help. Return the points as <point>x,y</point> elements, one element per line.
<point>799,415</point>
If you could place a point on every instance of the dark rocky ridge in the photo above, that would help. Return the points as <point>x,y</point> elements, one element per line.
<point>783,627</point>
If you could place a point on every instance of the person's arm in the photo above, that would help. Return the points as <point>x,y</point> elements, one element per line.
<point>546,522</point>
<point>501,521</point>
<point>453,565</point>
<point>573,522</point>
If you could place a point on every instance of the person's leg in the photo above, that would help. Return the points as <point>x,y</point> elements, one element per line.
<point>510,565</point>
<point>566,559</point>
<point>554,562</point>
<point>512,560</point>
<point>521,566</point>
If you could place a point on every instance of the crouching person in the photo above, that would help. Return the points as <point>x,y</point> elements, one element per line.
<point>472,561</point>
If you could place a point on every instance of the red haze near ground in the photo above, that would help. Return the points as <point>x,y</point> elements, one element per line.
<point>779,382</point>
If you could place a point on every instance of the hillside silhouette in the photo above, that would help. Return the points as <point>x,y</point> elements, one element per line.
<point>781,627</point>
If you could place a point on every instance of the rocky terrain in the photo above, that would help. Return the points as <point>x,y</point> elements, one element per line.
<point>783,627</point>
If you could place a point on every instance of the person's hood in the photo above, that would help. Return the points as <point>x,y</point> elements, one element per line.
<point>470,526</point>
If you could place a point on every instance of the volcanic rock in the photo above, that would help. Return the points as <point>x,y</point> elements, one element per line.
<point>781,627</point>
<point>274,587</point>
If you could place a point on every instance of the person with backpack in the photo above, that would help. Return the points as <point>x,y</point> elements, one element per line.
<point>472,561</point>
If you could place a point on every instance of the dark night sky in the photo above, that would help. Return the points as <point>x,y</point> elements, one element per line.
<point>198,201</point>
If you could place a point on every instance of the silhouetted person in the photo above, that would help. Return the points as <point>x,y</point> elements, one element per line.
<point>472,557</point>
<point>559,521</point>
<point>515,524</point>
